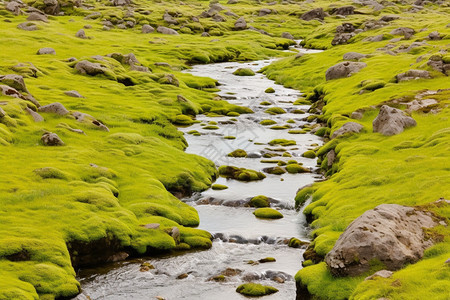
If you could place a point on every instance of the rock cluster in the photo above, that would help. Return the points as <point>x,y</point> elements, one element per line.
<point>391,121</point>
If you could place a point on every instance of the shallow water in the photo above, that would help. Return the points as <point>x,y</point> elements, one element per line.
<point>239,236</point>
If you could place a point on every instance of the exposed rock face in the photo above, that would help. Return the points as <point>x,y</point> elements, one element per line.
<point>51,139</point>
<point>55,108</point>
<point>413,74</point>
<point>287,35</point>
<point>89,68</point>
<point>51,7</point>
<point>344,69</point>
<point>46,50</point>
<point>147,29</point>
<point>344,32</point>
<point>435,36</point>
<point>316,13</point>
<point>349,127</point>
<point>344,10</point>
<point>405,31</point>
<point>390,233</point>
<point>353,56</point>
<point>391,121</point>
<point>14,81</point>
<point>437,63</point>
<point>240,24</point>
<point>165,30</point>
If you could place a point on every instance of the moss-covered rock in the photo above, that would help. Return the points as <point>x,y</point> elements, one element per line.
<point>282,142</point>
<point>267,122</point>
<point>259,201</point>
<point>238,153</point>
<point>255,289</point>
<point>240,174</point>
<point>219,187</point>
<point>275,111</point>
<point>309,154</point>
<point>295,168</point>
<point>267,213</point>
<point>269,90</point>
<point>274,170</point>
<point>244,72</point>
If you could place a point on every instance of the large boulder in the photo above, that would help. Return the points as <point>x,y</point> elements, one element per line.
<point>391,121</point>
<point>344,69</point>
<point>391,234</point>
<point>165,30</point>
<point>51,139</point>
<point>54,108</point>
<point>316,13</point>
<point>412,75</point>
<point>147,28</point>
<point>240,24</point>
<point>349,127</point>
<point>14,81</point>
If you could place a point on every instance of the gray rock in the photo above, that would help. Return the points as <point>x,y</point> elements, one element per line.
<point>389,18</point>
<point>35,16</point>
<point>342,38</point>
<point>89,68</point>
<point>46,50</point>
<point>28,26</point>
<point>51,139</point>
<point>122,26</point>
<point>287,35</point>
<point>36,117</point>
<point>2,113</point>
<point>152,226</point>
<point>389,233</point>
<point>240,24</point>
<point>391,121</point>
<point>331,157</point>
<point>74,94</point>
<point>344,69</point>
<point>254,155</point>
<point>52,7</point>
<point>81,34</point>
<point>349,127</point>
<point>55,108</point>
<point>121,2</point>
<point>344,10</point>
<point>264,12</point>
<point>10,91</point>
<point>316,13</point>
<point>354,56</point>
<point>435,36</point>
<point>218,18</point>
<point>232,1</point>
<point>357,115</point>
<point>205,34</point>
<point>165,30</point>
<point>175,234</point>
<point>382,273</point>
<point>412,75</point>
<point>169,19</point>
<point>376,38</point>
<point>15,81</point>
<point>147,29</point>
<point>15,7</point>
<point>231,14</point>
<point>405,31</point>
<point>94,15</point>
<point>87,26</point>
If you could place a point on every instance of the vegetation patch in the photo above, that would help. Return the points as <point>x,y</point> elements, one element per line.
<point>267,213</point>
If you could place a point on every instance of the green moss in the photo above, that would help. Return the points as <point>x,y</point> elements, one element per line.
<point>255,289</point>
<point>49,172</point>
<point>240,174</point>
<point>267,259</point>
<point>296,131</point>
<point>211,127</point>
<point>309,154</point>
<point>219,187</point>
<point>275,111</point>
<point>282,142</point>
<point>275,170</point>
<point>269,90</point>
<point>295,168</point>
<point>233,114</point>
<point>244,72</point>
<point>259,201</point>
<point>183,120</point>
<point>296,243</point>
<point>265,103</point>
<point>238,153</point>
<point>229,137</point>
<point>267,213</point>
<point>267,122</point>
<point>280,127</point>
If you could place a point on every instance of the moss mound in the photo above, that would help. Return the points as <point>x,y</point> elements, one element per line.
<point>267,122</point>
<point>255,289</point>
<point>244,72</point>
<point>275,111</point>
<point>282,142</point>
<point>219,187</point>
<point>259,201</point>
<point>267,213</point>
<point>238,153</point>
<point>269,90</point>
<point>240,174</point>
<point>309,154</point>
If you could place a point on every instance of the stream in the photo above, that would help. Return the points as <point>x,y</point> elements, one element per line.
<point>239,237</point>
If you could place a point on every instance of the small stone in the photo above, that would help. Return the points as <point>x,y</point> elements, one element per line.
<point>147,29</point>
<point>46,50</point>
<point>56,108</point>
<point>51,139</point>
<point>81,34</point>
<point>74,94</point>
<point>182,276</point>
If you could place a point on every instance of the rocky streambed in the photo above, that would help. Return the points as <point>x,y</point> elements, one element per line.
<point>243,245</point>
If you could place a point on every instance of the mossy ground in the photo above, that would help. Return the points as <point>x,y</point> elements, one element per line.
<point>409,169</point>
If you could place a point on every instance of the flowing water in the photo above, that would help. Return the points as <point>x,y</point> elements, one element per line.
<point>239,237</point>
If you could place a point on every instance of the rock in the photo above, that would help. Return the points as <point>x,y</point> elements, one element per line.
<point>87,26</point>
<point>46,50</point>
<point>434,36</point>
<point>52,7</point>
<point>81,34</point>
<point>205,34</point>
<point>218,18</point>
<point>412,75</point>
<point>55,108</point>
<point>416,105</point>
<point>287,35</point>
<point>331,157</point>
<point>2,113</point>
<point>349,127</point>
<point>316,13</point>
<point>344,32</point>
<point>232,1</point>
<point>152,226</point>
<point>376,38</point>
<point>405,31</point>
<point>344,69</point>
<point>389,18</point>
<point>264,12</point>
<point>353,56</point>
<point>121,2</point>
<point>35,16</point>
<point>343,11</point>
<point>382,273</point>
<point>14,81</point>
<point>169,79</point>
<point>175,234</point>
<point>28,26</point>
<point>122,26</point>
<point>94,15</point>
<point>147,29</point>
<point>36,117</point>
<point>15,7</point>
<point>51,139</point>
<point>169,19</point>
<point>357,115</point>
<point>165,30</point>
<point>391,121</point>
<point>182,276</point>
<point>240,24</point>
<point>145,267</point>
<point>89,68</point>
<point>74,94</point>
